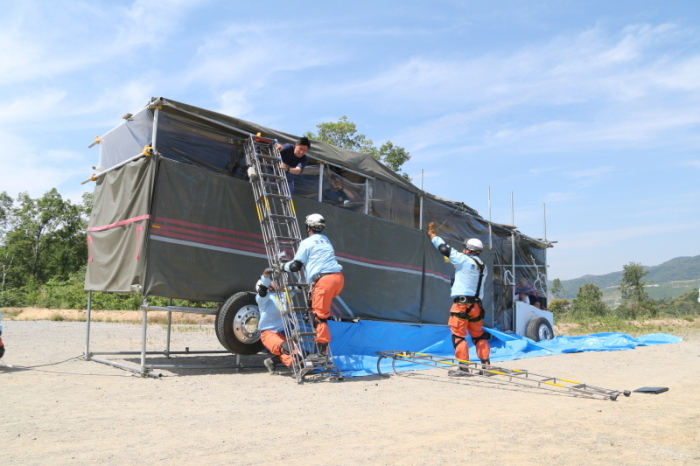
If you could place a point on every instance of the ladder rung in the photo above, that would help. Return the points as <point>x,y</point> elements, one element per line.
<point>287,217</point>
<point>298,284</point>
<point>274,177</point>
<point>278,196</point>
<point>276,222</point>
<point>267,157</point>
<point>283,239</point>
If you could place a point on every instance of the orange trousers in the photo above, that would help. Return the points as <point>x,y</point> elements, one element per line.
<point>273,342</point>
<point>325,289</point>
<point>460,327</point>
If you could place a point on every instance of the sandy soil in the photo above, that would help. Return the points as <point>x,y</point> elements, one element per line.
<point>83,412</point>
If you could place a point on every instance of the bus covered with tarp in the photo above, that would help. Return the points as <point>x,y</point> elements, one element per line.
<point>174,217</point>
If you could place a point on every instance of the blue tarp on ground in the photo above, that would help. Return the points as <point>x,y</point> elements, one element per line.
<point>355,344</point>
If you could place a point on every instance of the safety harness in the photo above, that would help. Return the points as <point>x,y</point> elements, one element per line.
<point>464,315</point>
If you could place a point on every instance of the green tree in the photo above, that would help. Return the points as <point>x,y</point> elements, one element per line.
<point>6,257</point>
<point>557,287</point>
<point>41,239</point>
<point>589,301</point>
<point>343,133</point>
<point>559,306</point>
<point>685,305</point>
<point>635,300</point>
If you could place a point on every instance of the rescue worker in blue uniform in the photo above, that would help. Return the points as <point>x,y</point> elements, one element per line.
<point>467,312</point>
<point>323,272</point>
<point>270,325</point>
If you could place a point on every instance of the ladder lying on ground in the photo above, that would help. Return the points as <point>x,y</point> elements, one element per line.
<point>501,374</point>
<point>281,235</point>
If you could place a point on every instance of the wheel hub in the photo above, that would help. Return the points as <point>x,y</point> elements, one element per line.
<point>245,324</point>
<point>544,333</point>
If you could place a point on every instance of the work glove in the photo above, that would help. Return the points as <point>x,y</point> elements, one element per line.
<point>431,230</point>
<point>279,268</point>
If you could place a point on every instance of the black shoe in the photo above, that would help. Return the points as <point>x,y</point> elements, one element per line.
<point>317,357</point>
<point>270,364</point>
<point>461,372</point>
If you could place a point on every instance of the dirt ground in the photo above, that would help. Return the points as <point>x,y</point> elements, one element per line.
<point>70,411</point>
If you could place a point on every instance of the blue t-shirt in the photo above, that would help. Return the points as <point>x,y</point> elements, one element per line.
<point>269,307</point>
<point>466,272</point>
<point>317,254</point>
<point>292,160</point>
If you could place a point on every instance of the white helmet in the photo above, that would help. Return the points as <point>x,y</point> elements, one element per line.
<point>474,244</point>
<point>316,222</point>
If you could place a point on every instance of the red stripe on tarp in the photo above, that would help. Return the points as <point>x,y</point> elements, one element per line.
<point>207,235</point>
<point>120,223</point>
<point>438,274</point>
<point>194,239</point>
<point>207,227</point>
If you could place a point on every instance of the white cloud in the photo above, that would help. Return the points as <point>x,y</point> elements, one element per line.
<point>25,168</point>
<point>39,41</point>
<point>248,56</point>
<point>590,173</point>
<point>593,239</point>
<point>690,163</point>
<point>31,106</point>
<point>233,102</point>
<point>552,198</point>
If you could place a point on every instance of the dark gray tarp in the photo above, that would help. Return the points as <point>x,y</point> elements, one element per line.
<point>357,161</point>
<point>204,240</point>
<point>205,244</point>
<point>117,228</point>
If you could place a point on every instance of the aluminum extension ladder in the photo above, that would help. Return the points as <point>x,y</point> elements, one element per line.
<point>501,374</point>
<point>282,236</point>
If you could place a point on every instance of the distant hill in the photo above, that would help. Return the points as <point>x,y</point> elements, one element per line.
<point>670,279</point>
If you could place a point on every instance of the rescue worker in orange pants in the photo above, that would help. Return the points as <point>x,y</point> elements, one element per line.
<point>323,272</point>
<point>467,312</point>
<point>270,325</point>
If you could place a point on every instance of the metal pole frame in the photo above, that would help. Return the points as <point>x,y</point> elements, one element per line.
<point>512,244</point>
<point>87,354</point>
<point>420,207</point>
<point>320,182</point>
<point>367,195</point>
<point>490,229</point>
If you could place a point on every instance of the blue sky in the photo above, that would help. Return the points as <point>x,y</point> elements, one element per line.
<point>592,108</point>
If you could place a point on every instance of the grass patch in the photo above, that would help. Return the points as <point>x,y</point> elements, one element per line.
<point>56,317</point>
<point>679,327</point>
<point>10,313</point>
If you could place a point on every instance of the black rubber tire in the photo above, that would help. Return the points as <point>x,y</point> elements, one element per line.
<point>227,326</point>
<point>539,329</point>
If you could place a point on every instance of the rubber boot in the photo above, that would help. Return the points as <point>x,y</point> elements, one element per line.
<point>486,364</point>
<point>270,364</point>
<point>463,371</point>
<point>322,355</point>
